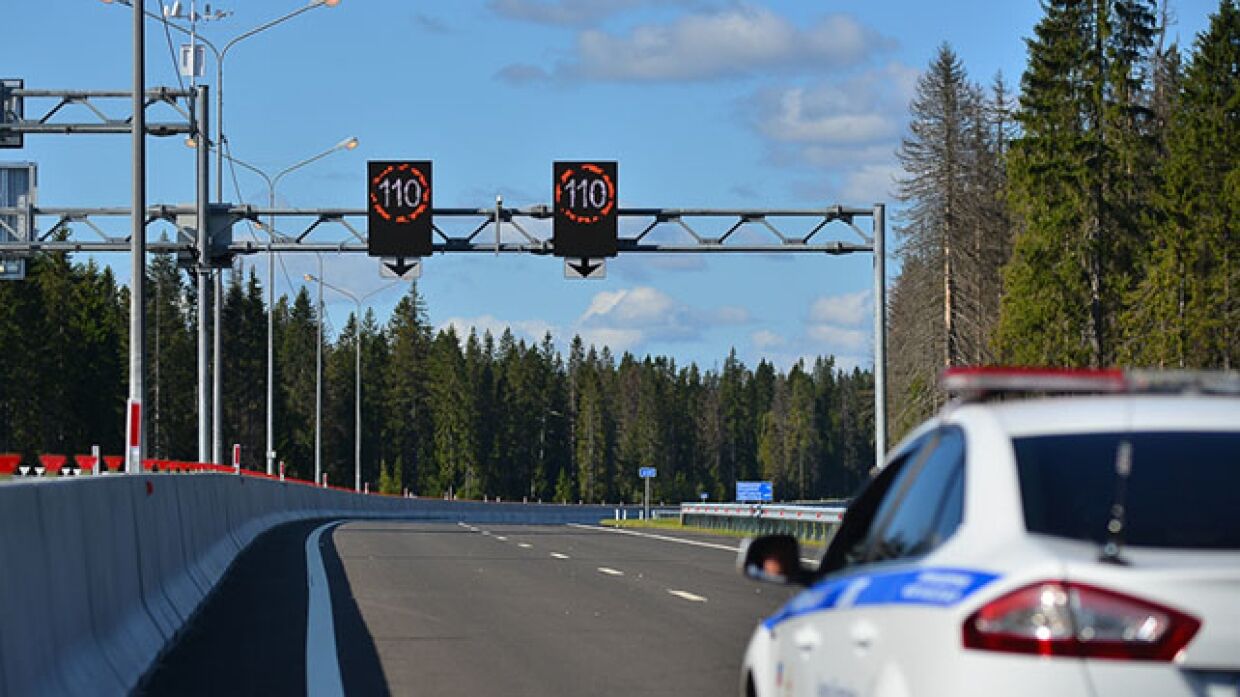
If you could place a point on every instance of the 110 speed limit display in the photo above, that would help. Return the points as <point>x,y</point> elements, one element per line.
<point>585,223</point>
<point>399,208</point>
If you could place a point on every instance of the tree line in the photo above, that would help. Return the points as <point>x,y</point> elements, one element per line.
<point>1088,220</point>
<point>442,414</point>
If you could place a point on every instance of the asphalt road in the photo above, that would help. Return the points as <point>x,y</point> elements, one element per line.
<point>459,609</point>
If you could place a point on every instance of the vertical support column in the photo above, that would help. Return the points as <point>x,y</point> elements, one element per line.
<point>217,379</point>
<point>203,277</point>
<point>318,384</point>
<point>880,334</point>
<point>135,434</point>
<point>357,406</point>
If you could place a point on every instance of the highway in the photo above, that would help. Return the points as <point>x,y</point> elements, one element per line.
<point>444,608</point>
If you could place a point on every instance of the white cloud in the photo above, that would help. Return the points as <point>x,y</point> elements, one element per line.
<point>637,307</point>
<point>834,338</point>
<point>765,339</point>
<point>850,310</point>
<point>629,318</point>
<point>801,116</point>
<point>618,340</point>
<point>732,41</point>
<point>848,123</point>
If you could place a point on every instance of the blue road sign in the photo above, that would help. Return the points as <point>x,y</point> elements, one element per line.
<point>755,491</point>
<point>647,473</point>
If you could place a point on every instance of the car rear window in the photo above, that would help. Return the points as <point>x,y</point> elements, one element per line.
<point>1183,490</point>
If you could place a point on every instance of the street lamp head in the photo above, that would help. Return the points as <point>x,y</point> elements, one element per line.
<point>346,144</point>
<point>329,3</point>
<point>309,277</point>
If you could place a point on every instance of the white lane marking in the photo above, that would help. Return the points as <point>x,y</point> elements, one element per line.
<point>695,543</point>
<point>525,545</point>
<point>322,661</point>
<point>557,555</point>
<point>686,595</point>
<point>610,572</point>
<point>486,533</point>
<point>501,538</point>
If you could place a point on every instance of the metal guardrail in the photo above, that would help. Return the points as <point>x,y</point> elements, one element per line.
<point>808,523</point>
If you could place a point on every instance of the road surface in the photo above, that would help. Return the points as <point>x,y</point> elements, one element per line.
<point>470,609</point>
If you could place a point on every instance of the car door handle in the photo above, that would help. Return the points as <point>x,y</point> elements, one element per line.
<point>863,635</point>
<point>807,639</point>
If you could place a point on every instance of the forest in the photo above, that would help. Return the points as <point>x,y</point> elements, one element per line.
<point>1088,219</point>
<point>470,416</point>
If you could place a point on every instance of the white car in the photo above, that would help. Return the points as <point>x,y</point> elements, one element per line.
<point>1057,545</point>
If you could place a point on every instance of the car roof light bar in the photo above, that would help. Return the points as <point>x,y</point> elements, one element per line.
<point>981,382</point>
<point>976,383</point>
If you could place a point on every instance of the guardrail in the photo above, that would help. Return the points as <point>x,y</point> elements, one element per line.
<point>808,523</point>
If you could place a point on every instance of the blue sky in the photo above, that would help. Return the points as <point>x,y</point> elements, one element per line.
<point>704,104</point>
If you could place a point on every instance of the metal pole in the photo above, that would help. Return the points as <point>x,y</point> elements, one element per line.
<point>217,381</point>
<point>880,334</point>
<point>217,377</point>
<point>203,276</point>
<point>271,332</point>
<point>646,501</point>
<point>135,434</point>
<point>318,386</point>
<point>357,406</point>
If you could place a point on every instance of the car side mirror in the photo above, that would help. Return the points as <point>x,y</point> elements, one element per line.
<point>773,559</point>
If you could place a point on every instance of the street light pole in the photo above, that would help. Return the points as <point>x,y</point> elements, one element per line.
<point>220,55</point>
<point>357,371</point>
<point>318,386</point>
<point>272,183</point>
<point>135,437</point>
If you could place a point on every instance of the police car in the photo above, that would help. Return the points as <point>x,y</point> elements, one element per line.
<point>1074,544</point>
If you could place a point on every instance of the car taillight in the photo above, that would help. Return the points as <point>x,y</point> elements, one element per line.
<point>1062,618</point>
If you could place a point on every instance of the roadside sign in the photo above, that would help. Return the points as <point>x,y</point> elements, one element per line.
<point>585,269</point>
<point>755,491</point>
<point>399,207</point>
<point>400,268</point>
<point>647,472</point>
<point>585,224</point>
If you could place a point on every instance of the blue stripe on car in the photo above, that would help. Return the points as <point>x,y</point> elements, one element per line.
<point>935,587</point>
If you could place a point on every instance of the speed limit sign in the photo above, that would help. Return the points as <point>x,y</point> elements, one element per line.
<point>399,208</point>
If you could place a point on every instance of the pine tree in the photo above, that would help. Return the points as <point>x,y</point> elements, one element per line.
<point>1077,178</point>
<point>1185,312</point>
<point>407,410</point>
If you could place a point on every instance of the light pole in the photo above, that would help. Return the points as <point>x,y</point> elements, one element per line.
<point>272,183</point>
<point>217,287</point>
<point>357,370</point>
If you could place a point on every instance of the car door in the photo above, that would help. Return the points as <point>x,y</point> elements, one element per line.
<point>846,647</point>
<point>811,629</point>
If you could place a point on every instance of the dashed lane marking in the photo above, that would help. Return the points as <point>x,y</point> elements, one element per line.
<point>557,555</point>
<point>525,545</point>
<point>665,538</point>
<point>686,595</point>
<point>610,572</point>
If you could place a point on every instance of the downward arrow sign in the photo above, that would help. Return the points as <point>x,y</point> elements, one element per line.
<point>585,268</point>
<point>400,268</point>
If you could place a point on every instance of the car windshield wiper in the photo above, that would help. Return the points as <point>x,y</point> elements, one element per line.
<point>1118,515</point>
